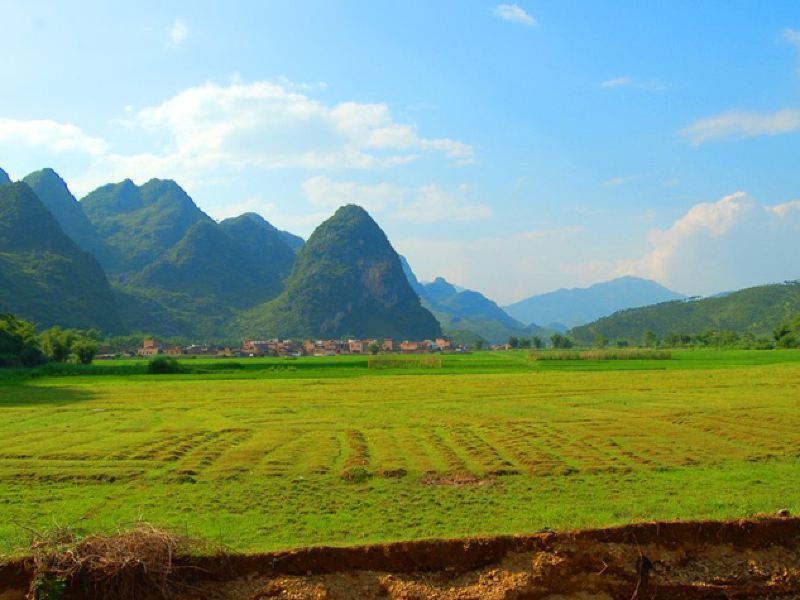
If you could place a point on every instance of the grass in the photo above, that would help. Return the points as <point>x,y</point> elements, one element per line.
<point>261,454</point>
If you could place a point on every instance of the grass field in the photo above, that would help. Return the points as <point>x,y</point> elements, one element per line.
<point>261,454</point>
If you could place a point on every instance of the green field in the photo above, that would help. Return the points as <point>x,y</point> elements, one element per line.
<point>261,454</point>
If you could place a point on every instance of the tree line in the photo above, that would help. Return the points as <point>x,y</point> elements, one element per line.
<point>785,335</point>
<point>21,345</point>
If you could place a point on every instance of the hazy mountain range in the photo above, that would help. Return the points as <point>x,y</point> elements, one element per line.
<point>572,307</point>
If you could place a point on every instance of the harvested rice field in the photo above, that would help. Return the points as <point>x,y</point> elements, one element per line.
<point>260,455</point>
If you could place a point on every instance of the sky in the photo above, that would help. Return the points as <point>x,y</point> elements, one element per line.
<point>513,148</point>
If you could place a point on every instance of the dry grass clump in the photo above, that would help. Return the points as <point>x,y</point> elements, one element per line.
<point>632,354</point>
<point>131,565</point>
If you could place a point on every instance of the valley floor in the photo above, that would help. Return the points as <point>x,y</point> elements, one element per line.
<point>274,454</point>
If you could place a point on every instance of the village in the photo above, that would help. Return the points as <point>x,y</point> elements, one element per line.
<point>274,347</point>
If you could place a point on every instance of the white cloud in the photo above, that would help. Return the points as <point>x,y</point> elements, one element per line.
<point>515,14</point>
<point>742,124</point>
<point>784,209</point>
<point>212,132</point>
<point>619,82</point>
<point>325,193</point>
<point>178,32</point>
<point>51,135</point>
<point>792,36</point>
<point>425,204</point>
<point>723,245</point>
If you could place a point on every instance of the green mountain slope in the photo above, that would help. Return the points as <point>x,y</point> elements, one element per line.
<point>264,241</point>
<point>295,242</point>
<point>54,194</point>
<point>573,307</point>
<point>757,310</point>
<point>4,178</point>
<point>44,276</point>
<point>347,280</point>
<point>209,263</point>
<point>141,223</point>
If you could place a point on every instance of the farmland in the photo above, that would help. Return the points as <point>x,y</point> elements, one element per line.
<point>263,454</point>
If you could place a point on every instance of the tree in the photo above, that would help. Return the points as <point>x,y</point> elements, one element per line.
<point>513,342</point>
<point>57,343</point>
<point>374,348</point>
<point>19,344</point>
<point>787,334</point>
<point>537,342</point>
<point>84,350</point>
<point>649,340</point>
<point>560,341</point>
<point>478,344</point>
<point>525,343</point>
<point>601,341</point>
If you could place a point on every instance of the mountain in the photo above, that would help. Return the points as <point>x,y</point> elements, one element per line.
<point>4,178</point>
<point>347,280</point>
<point>44,276</point>
<point>265,241</point>
<point>209,263</point>
<point>576,306</point>
<point>757,310</point>
<point>141,223</point>
<point>54,194</point>
<point>295,242</point>
<point>461,311</point>
<point>472,311</point>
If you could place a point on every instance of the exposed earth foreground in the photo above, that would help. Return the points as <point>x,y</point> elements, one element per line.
<point>757,558</point>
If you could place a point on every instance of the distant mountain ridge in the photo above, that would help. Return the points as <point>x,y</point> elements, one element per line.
<point>4,178</point>
<point>757,310</point>
<point>347,280</point>
<point>459,309</point>
<point>577,306</point>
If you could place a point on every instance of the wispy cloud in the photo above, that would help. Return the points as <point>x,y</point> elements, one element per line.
<point>425,204</point>
<point>178,32</point>
<point>739,124</point>
<point>651,85</point>
<point>620,180</point>
<point>792,36</point>
<point>515,14</point>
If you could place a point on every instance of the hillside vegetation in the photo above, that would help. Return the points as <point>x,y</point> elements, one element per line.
<point>757,310</point>
<point>44,276</point>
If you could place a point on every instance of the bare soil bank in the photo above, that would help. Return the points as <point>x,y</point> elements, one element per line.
<point>757,558</point>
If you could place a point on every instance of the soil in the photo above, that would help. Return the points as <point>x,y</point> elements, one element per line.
<point>757,558</point>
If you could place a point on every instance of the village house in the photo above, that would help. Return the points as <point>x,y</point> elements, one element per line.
<point>150,347</point>
<point>444,343</point>
<point>173,351</point>
<point>255,348</point>
<point>387,345</point>
<point>356,346</point>
<point>409,346</point>
<point>197,350</point>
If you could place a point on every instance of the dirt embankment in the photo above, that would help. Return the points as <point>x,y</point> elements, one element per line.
<point>743,559</point>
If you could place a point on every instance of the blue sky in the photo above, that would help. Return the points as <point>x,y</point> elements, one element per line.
<point>511,147</point>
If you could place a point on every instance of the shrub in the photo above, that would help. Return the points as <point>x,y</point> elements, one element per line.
<point>165,365</point>
<point>636,354</point>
